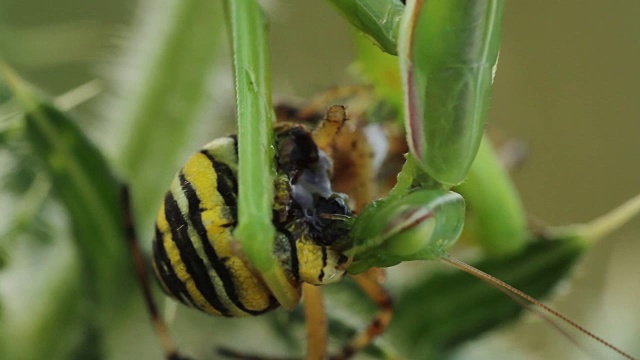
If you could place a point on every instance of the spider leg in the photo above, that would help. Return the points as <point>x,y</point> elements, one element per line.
<point>170,351</point>
<point>325,133</point>
<point>316,322</point>
<point>354,172</point>
<point>371,283</point>
<point>358,97</point>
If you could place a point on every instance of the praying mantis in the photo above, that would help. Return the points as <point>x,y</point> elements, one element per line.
<point>387,257</point>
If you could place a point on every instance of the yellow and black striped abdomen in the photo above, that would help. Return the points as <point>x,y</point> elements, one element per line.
<point>193,258</point>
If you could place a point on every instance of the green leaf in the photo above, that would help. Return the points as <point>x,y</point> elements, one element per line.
<point>43,302</point>
<point>448,50</point>
<point>84,183</point>
<point>455,307</point>
<point>162,112</point>
<point>378,19</point>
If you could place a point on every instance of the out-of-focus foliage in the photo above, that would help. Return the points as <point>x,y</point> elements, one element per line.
<point>549,79</point>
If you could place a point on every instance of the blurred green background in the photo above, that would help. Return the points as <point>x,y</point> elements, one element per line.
<point>567,85</point>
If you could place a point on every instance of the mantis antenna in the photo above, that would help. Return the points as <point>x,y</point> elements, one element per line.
<point>519,295</point>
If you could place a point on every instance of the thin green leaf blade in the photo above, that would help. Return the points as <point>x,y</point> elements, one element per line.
<point>83,181</point>
<point>86,186</point>
<point>161,115</point>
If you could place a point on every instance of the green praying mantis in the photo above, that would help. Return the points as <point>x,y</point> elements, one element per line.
<point>419,220</point>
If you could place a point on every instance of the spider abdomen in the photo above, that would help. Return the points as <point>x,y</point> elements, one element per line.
<point>195,256</point>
